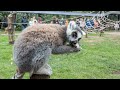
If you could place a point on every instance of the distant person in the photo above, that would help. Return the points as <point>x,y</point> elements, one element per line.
<point>34,20</point>
<point>62,22</point>
<point>96,24</point>
<point>10,20</point>
<point>66,22</point>
<point>88,24</point>
<point>31,22</point>
<point>54,20</point>
<point>40,20</point>
<point>4,25</point>
<point>57,21</point>
<point>82,24</point>
<point>116,26</point>
<point>24,21</point>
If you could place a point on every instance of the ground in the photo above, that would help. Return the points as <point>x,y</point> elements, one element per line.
<point>98,59</point>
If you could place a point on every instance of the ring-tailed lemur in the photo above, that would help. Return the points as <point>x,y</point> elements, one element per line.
<point>36,43</point>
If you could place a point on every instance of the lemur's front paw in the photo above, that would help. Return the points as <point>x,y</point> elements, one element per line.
<point>75,49</point>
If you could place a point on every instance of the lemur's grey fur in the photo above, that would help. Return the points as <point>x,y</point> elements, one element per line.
<point>36,43</point>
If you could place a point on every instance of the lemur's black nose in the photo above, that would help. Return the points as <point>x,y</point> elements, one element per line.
<point>74,43</point>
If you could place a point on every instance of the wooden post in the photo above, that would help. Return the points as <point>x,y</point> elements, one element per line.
<point>101,31</point>
<point>86,34</point>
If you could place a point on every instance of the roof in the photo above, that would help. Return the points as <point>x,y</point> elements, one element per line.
<point>68,13</point>
<point>57,12</point>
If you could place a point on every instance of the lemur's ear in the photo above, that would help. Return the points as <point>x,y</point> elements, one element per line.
<point>71,26</point>
<point>81,31</point>
<point>78,29</point>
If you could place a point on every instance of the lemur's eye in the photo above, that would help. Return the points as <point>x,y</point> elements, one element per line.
<point>79,39</point>
<point>74,34</point>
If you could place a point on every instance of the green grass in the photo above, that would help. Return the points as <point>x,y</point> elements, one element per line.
<point>99,59</point>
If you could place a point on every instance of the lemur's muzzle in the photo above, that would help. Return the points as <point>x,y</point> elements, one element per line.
<point>74,44</point>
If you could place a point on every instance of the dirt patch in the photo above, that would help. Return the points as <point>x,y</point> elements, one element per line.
<point>92,39</point>
<point>116,72</point>
<point>113,35</point>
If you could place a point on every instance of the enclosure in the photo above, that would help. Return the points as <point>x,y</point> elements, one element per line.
<point>98,59</point>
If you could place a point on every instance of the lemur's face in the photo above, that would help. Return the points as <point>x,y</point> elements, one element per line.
<point>74,34</point>
<point>74,39</point>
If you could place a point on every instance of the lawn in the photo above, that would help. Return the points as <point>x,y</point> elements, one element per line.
<point>98,59</point>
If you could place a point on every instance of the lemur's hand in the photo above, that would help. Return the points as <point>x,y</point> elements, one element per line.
<point>64,49</point>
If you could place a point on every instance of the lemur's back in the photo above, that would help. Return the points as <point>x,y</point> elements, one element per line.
<point>35,43</point>
<point>42,32</point>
